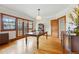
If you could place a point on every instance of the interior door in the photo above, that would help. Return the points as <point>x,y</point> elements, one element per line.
<point>62,24</point>
<point>54,28</point>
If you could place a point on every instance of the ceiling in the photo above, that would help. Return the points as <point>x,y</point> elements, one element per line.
<point>46,10</point>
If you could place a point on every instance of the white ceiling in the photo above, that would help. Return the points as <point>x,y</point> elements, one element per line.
<point>46,10</point>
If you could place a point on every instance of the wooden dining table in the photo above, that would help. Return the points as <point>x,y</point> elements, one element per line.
<point>37,35</point>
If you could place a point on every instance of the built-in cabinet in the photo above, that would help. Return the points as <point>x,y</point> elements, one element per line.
<point>4,38</point>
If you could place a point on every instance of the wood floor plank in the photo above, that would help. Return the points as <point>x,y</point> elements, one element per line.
<point>46,46</point>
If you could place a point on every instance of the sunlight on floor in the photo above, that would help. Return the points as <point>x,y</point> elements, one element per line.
<point>50,45</point>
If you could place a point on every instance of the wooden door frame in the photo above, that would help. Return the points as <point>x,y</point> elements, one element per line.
<point>58,23</point>
<point>64,18</point>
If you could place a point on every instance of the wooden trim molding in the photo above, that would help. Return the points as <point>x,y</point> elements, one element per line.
<point>14,16</point>
<point>27,26</point>
<point>23,28</point>
<point>64,20</point>
<point>0,23</point>
<point>2,27</point>
<point>16,27</point>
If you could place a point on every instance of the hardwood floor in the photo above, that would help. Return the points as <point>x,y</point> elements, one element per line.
<point>50,46</point>
<point>47,46</point>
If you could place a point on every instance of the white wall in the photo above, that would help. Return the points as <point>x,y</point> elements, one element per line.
<point>65,12</point>
<point>13,12</point>
<point>47,24</point>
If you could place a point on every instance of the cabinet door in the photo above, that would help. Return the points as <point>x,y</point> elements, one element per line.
<point>4,38</point>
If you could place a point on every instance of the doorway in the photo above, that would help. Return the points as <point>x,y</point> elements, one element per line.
<point>57,26</point>
<point>54,28</point>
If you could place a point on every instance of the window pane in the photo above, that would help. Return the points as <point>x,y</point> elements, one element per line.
<point>8,22</point>
<point>25,27</point>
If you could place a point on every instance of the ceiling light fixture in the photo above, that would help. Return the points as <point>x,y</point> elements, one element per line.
<point>38,17</point>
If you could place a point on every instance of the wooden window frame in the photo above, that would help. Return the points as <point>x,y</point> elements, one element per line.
<point>2,26</point>
<point>16,24</point>
<point>2,29</point>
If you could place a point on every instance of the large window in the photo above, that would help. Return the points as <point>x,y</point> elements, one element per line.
<point>30,26</point>
<point>9,23</point>
<point>14,23</point>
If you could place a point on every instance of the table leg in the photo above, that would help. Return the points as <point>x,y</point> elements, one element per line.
<point>37,42</point>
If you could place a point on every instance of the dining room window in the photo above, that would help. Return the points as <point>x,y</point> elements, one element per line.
<point>8,23</point>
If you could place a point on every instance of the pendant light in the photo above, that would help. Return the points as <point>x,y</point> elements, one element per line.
<point>38,17</point>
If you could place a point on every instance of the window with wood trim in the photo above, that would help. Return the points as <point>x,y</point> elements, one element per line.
<point>25,27</point>
<point>30,26</point>
<point>8,23</point>
<point>20,25</point>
